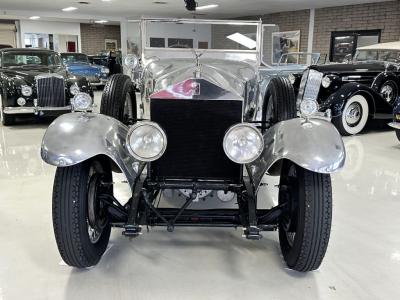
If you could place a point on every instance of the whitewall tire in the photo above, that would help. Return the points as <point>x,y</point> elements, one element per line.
<point>354,116</point>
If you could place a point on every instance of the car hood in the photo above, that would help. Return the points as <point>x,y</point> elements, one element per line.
<point>28,75</point>
<point>353,67</point>
<point>229,75</point>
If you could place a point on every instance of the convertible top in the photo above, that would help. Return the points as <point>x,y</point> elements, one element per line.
<point>382,46</point>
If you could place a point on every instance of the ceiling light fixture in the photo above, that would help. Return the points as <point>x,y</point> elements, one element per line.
<point>106,0</point>
<point>34,17</point>
<point>101,21</point>
<point>207,7</point>
<point>71,8</point>
<point>243,40</point>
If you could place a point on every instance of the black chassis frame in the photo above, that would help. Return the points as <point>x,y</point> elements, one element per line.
<point>140,210</point>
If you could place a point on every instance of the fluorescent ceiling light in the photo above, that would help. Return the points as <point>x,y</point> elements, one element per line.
<point>101,21</point>
<point>71,8</point>
<point>207,6</point>
<point>243,40</point>
<point>34,17</point>
<point>106,0</point>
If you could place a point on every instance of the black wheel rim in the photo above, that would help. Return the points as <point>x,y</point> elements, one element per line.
<point>97,217</point>
<point>288,195</point>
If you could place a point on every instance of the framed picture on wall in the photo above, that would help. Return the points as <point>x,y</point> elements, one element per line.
<point>180,43</point>
<point>285,42</point>
<point>110,45</point>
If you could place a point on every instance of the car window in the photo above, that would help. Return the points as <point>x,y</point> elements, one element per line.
<point>74,57</point>
<point>378,55</point>
<point>15,59</point>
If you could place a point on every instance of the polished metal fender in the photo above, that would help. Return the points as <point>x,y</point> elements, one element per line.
<point>313,144</point>
<point>75,137</point>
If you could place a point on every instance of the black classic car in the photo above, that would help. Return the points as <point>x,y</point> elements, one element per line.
<point>35,81</point>
<point>109,59</point>
<point>352,93</point>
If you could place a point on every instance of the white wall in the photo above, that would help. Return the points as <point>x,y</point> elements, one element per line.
<point>64,28</point>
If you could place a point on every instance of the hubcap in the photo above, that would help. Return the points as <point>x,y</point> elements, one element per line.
<point>353,114</point>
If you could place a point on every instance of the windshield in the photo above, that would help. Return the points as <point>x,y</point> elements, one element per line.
<point>197,34</point>
<point>74,58</point>
<point>378,55</point>
<point>26,58</point>
<point>299,58</point>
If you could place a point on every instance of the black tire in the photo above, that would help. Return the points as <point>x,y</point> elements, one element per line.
<point>279,102</point>
<point>71,214</point>
<point>119,99</point>
<point>7,120</point>
<point>304,228</point>
<point>398,134</point>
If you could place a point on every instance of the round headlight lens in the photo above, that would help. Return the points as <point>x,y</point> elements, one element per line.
<point>26,90</point>
<point>243,143</point>
<point>74,89</point>
<point>21,101</point>
<point>292,78</point>
<point>146,141</point>
<point>326,82</point>
<point>105,70</point>
<point>308,107</point>
<point>131,61</point>
<point>82,101</point>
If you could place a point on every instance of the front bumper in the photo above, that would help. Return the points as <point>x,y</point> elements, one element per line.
<point>36,110</point>
<point>97,81</point>
<point>395,125</point>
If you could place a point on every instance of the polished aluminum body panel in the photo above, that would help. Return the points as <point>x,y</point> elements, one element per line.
<point>75,137</point>
<point>314,144</point>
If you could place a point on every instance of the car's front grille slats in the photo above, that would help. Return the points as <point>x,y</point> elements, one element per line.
<point>195,130</point>
<point>51,92</point>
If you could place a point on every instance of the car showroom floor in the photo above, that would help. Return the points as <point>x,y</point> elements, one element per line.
<point>362,262</point>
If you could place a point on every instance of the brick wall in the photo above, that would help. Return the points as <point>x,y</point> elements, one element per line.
<point>93,37</point>
<point>382,15</point>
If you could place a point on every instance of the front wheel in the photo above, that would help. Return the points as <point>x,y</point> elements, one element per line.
<point>304,227</point>
<point>80,220</point>
<point>354,116</point>
<point>398,134</point>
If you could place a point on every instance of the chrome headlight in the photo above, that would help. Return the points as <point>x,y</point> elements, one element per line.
<point>326,82</point>
<point>243,143</point>
<point>146,141</point>
<point>308,107</point>
<point>292,78</point>
<point>131,61</point>
<point>26,90</point>
<point>82,102</point>
<point>105,70</point>
<point>74,89</point>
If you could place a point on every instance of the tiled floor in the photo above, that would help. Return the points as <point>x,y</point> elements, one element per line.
<point>363,259</point>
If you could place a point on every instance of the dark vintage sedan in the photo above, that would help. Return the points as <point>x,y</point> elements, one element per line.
<point>396,119</point>
<point>352,93</point>
<point>34,81</point>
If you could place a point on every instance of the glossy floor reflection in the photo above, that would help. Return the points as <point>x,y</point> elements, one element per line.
<point>363,259</point>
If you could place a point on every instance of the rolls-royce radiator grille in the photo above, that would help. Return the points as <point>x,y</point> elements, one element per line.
<point>50,92</point>
<point>195,130</point>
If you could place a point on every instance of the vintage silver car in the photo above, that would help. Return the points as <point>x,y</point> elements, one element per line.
<point>196,133</point>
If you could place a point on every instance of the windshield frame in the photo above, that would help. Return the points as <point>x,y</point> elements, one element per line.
<point>31,53</point>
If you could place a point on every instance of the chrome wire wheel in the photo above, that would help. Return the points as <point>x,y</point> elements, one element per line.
<point>353,114</point>
<point>389,91</point>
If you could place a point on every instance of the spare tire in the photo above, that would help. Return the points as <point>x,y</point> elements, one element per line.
<point>119,99</point>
